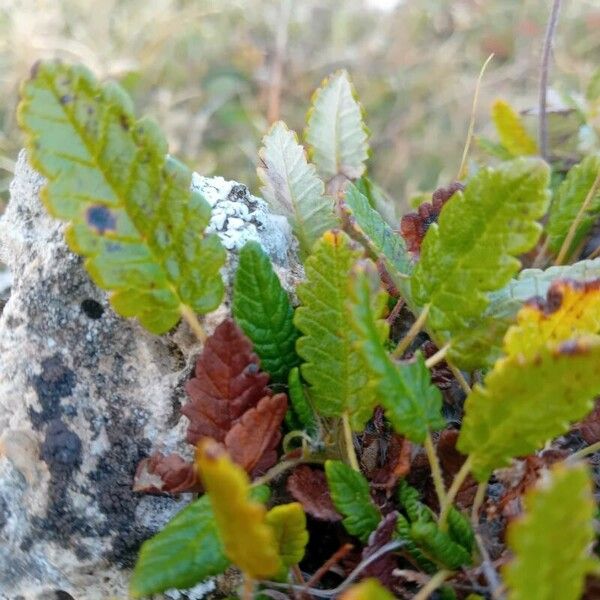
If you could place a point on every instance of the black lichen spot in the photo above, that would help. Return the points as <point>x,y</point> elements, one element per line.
<point>4,512</point>
<point>101,219</point>
<point>92,308</point>
<point>61,449</point>
<point>238,193</point>
<point>62,595</point>
<point>56,381</point>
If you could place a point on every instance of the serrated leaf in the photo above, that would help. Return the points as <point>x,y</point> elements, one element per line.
<point>411,402</point>
<point>300,414</point>
<point>292,188</point>
<point>382,243</point>
<point>567,202</point>
<point>334,367</point>
<point>403,532</point>
<point>378,199</point>
<point>368,589</point>
<point>526,401</point>
<point>505,303</point>
<point>130,210</point>
<point>335,132</point>
<point>552,541</point>
<point>410,500</point>
<point>511,130</point>
<point>309,487</point>
<point>439,545</point>
<point>288,521</point>
<point>248,540</point>
<point>472,249</point>
<point>184,553</point>
<point>571,309</point>
<point>263,310</point>
<point>350,494</point>
<point>460,529</point>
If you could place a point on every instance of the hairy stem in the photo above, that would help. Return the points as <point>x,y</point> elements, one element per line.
<point>454,488</point>
<point>477,503</point>
<point>463,163</point>
<point>412,333</point>
<point>282,467</point>
<point>192,320</point>
<point>349,443</point>
<point>436,472</point>
<point>432,585</point>
<point>564,249</point>
<point>544,68</point>
<point>460,378</point>
<point>488,569</point>
<point>248,589</point>
<point>438,357</point>
<point>584,452</point>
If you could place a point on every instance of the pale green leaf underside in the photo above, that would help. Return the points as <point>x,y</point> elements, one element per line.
<point>382,243</point>
<point>472,250</point>
<point>552,542</point>
<point>334,366</point>
<point>567,201</point>
<point>292,188</point>
<point>263,310</point>
<point>350,494</point>
<point>184,553</point>
<point>411,402</point>
<point>525,403</point>
<point>130,210</point>
<point>335,132</point>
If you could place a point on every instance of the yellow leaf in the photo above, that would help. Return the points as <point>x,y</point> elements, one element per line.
<point>369,589</point>
<point>571,309</point>
<point>289,525</point>
<point>513,135</point>
<point>247,538</point>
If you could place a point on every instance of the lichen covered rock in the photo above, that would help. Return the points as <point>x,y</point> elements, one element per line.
<point>85,395</point>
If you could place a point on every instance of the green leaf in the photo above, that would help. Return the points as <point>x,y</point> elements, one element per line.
<point>130,210</point>
<point>411,402</point>
<point>350,494</point>
<point>291,187</point>
<point>300,414</point>
<point>460,529</point>
<point>472,249</point>
<point>567,202</point>
<point>289,524</point>
<point>526,401</point>
<point>368,589</point>
<point>410,500</point>
<point>511,130</point>
<point>592,92</point>
<point>263,310</point>
<point>336,133</point>
<point>366,224</point>
<point>403,532</point>
<point>334,367</point>
<point>378,200</point>
<point>439,545</point>
<point>184,553</point>
<point>552,541</point>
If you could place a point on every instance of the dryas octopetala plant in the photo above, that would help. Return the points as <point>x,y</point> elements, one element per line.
<point>423,393</point>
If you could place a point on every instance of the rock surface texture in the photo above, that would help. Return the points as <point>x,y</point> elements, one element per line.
<point>84,395</point>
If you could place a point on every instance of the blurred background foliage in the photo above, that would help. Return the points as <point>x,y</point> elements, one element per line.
<point>214,73</point>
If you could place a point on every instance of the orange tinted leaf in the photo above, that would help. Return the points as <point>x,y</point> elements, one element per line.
<point>159,473</point>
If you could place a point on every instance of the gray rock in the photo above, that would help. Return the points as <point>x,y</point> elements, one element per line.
<point>84,395</point>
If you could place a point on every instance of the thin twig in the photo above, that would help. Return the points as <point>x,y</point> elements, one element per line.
<point>594,254</point>
<point>349,442</point>
<point>459,479</point>
<point>463,163</point>
<point>544,68</point>
<point>334,593</point>
<point>282,467</point>
<point>395,311</point>
<point>326,566</point>
<point>488,569</point>
<point>432,585</point>
<point>276,76</point>
<point>540,257</point>
<point>436,471</point>
<point>248,589</point>
<point>438,357</point>
<point>564,249</point>
<point>412,333</point>
<point>192,320</point>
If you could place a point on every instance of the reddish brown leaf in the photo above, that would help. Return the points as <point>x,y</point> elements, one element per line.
<point>414,226</point>
<point>227,383</point>
<point>309,487</point>
<point>441,375</point>
<point>395,464</point>
<point>451,461</point>
<point>159,473</point>
<point>383,567</point>
<point>590,426</point>
<point>253,440</point>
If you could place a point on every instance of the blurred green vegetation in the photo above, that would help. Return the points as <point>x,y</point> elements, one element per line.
<point>213,73</point>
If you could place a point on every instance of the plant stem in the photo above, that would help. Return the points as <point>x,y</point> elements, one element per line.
<point>335,558</point>
<point>438,357</point>
<point>540,258</point>
<point>544,68</point>
<point>564,249</point>
<point>454,488</point>
<point>248,589</point>
<point>584,452</point>
<point>488,569</point>
<point>282,467</point>
<point>477,502</point>
<point>412,333</point>
<point>349,442</point>
<point>594,254</point>
<point>432,585</point>
<point>436,472</point>
<point>463,163</point>
<point>192,320</point>
<point>460,378</point>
